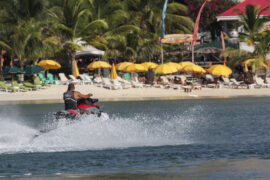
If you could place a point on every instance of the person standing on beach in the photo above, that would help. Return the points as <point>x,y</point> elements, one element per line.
<point>71,96</point>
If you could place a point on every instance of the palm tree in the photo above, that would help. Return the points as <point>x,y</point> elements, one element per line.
<point>73,18</point>
<point>24,31</point>
<point>146,14</point>
<point>254,35</point>
<point>253,22</point>
<point>28,42</point>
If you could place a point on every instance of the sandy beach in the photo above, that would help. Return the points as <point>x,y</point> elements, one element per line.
<point>55,93</point>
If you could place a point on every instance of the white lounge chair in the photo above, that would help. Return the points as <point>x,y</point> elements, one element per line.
<point>259,81</point>
<point>156,85</point>
<point>238,84</point>
<point>136,84</point>
<point>227,82</point>
<point>125,84</point>
<point>183,79</point>
<point>165,82</point>
<point>108,84</point>
<point>74,79</point>
<point>268,80</point>
<point>97,80</point>
<point>63,79</point>
<point>210,81</point>
<point>86,79</point>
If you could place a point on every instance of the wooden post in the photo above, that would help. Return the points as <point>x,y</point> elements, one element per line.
<point>192,47</point>
<point>162,55</point>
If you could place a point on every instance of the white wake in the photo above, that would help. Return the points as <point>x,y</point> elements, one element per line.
<point>95,134</point>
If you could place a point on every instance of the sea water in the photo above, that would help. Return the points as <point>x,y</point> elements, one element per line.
<point>198,138</point>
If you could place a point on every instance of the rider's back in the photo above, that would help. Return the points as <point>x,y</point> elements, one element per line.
<point>70,101</point>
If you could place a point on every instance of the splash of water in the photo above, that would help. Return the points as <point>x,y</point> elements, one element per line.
<point>97,133</point>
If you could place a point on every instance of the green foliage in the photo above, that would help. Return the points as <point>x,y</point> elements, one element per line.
<point>254,35</point>
<point>126,29</point>
<point>253,23</point>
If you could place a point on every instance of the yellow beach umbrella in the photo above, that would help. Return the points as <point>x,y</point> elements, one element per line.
<point>98,65</point>
<point>249,61</point>
<point>268,64</point>
<point>185,63</point>
<point>76,70</point>
<point>220,70</point>
<point>193,68</point>
<point>149,65</point>
<point>49,64</point>
<point>113,72</point>
<point>121,66</point>
<point>135,68</point>
<point>165,69</point>
<point>175,65</point>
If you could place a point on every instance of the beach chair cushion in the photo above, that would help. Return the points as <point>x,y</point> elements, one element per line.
<point>42,78</point>
<point>51,80</point>
<point>8,88</point>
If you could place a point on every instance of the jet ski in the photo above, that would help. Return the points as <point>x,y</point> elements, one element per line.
<point>85,107</point>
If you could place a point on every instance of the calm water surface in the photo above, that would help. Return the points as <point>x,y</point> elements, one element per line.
<point>184,139</point>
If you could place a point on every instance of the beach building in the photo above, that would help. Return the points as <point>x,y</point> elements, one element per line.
<point>230,21</point>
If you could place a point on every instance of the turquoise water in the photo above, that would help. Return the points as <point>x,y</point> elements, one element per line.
<point>184,139</point>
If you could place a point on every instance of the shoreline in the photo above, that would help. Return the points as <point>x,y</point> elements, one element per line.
<point>56,101</point>
<point>54,94</point>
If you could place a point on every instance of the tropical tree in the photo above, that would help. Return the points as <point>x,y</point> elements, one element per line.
<point>253,22</point>
<point>24,31</point>
<point>146,15</point>
<point>253,35</point>
<point>74,22</point>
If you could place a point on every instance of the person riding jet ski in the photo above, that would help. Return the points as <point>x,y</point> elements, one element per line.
<point>71,97</point>
<point>77,104</point>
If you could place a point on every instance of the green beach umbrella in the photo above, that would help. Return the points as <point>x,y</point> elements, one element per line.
<point>13,70</point>
<point>34,69</point>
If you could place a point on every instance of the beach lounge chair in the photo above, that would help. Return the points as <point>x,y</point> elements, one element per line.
<point>106,83</point>
<point>156,85</point>
<point>30,85</point>
<point>165,82</point>
<point>37,82</point>
<point>125,83</point>
<point>259,82</point>
<point>21,87</point>
<point>74,79</point>
<point>7,88</point>
<point>238,84</point>
<point>97,80</point>
<point>211,81</point>
<point>183,79</point>
<point>226,82</point>
<point>136,84</point>
<point>42,78</point>
<point>63,79</point>
<point>268,80</point>
<point>51,80</point>
<point>86,79</point>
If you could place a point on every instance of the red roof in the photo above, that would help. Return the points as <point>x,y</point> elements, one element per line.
<point>241,6</point>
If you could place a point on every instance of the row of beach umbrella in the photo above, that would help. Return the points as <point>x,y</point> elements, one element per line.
<point>33,69</point>
<point>167,68</point>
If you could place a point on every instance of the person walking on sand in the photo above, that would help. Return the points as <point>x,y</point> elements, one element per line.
<point>71,96</point>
